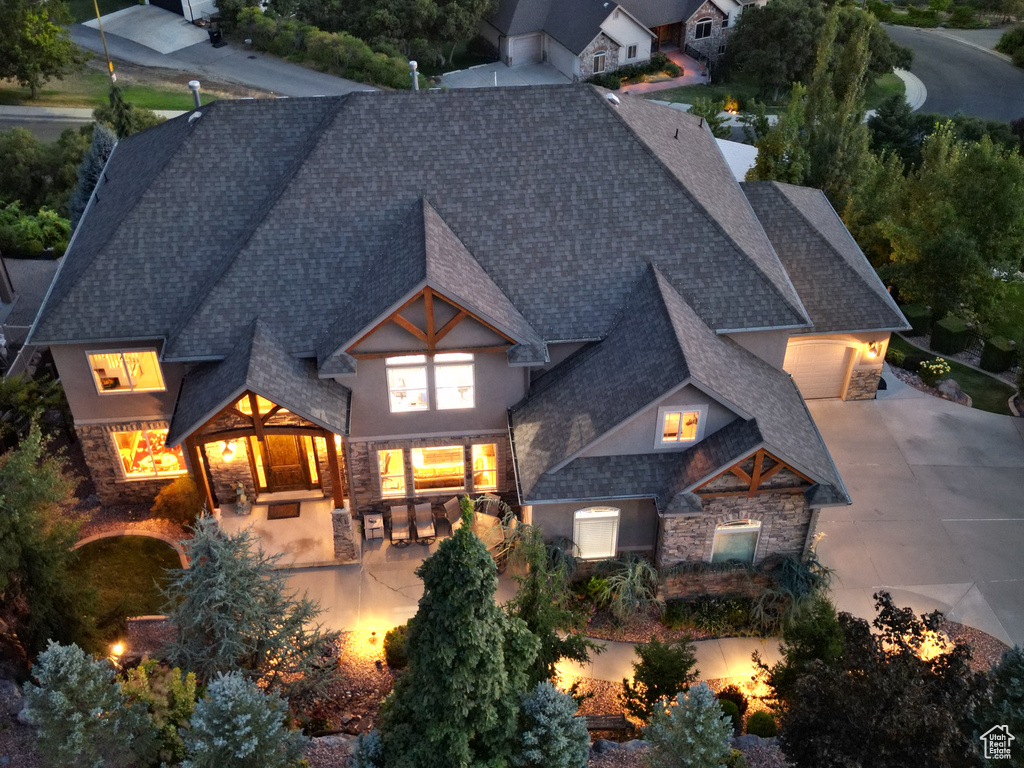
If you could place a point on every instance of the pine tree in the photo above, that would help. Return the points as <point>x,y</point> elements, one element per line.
<point>690,732</point>
<point>550,732</point>
<point>458,702</point>
<point>232,611</point>
<point>781,154</point>
<point>236,725</point>
<point>103,141</point>
<point>82,717</point>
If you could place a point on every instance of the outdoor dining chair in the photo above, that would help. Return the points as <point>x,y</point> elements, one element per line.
<point>423,519</point>
<point>453,512</point>
<point>400,536</point>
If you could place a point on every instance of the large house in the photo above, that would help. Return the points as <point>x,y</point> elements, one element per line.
<point>581,38</point>
<point>551,294</point>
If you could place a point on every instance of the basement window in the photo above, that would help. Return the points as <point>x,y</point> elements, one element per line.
<point>596,532</point>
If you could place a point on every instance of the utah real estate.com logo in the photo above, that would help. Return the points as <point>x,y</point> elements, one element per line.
<point>997,742</point>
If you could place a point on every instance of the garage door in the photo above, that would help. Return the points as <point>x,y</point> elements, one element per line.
<point>819,368</point>
<point>528,49</point>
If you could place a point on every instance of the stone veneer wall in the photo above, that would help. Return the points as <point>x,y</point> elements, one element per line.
<point>863,383</point>
<point>105,464</point>
<point>785,521</point>
<point>600,43</point>
<point>737,583</point>
<point>707,45</point>
<point>225,476</point>
<point>347,546</point>
<point>365,472</point>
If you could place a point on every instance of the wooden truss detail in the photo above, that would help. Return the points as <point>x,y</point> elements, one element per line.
<point>430,336</point>
<point>756,480</point>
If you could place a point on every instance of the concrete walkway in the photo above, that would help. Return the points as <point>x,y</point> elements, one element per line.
<point>937,517</point>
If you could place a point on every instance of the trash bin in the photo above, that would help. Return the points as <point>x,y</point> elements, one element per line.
<point>216,37</point>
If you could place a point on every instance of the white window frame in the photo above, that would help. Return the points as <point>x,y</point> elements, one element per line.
<point>599,61</point>
<point>429,365</point>
<point>631,51</point>
<point>582,516</point>
<point>124,367</point>
<point>701,412</point>
<point>400,473</point>
<point>737,526</point>
<point>706,23</point>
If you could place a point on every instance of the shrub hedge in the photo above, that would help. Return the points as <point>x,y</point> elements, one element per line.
<point>949,335</point>
<point>635,73</point>
<point>762,724</point>
<point>28,236</point>
<point>338,53</point>
<point>998,354</point>
<point>919,317</point>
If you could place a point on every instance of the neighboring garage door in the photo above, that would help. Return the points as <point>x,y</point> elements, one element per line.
<point>820,368</point>
<point>528,49</point>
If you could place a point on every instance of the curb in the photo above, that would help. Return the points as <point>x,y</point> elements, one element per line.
<point>916,94</point>
<point>136,532</point>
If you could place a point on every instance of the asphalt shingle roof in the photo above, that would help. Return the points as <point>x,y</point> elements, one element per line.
<point>575,23</point>
<point>559,196</point>
<point>260,365</point>
<point>659,342</point>
<point>838,286</point>
<point>569,21</point>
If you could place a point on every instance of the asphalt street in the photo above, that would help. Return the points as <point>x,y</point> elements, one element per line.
<point>962,76</point>
<point>44,130</point>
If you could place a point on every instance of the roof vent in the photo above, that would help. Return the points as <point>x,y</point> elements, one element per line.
<point>612,98</point>
<point>194,116</point>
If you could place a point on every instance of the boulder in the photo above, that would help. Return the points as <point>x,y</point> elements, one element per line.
<point>949,389</point>
<point>601,746</point>
<point>747,740</point>
<point>633,745</point>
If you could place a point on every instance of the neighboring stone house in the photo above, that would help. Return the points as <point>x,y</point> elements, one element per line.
<point>593,324</point>
<point>581,38</point>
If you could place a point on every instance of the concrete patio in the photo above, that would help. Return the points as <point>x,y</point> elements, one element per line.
<point>155,28</point>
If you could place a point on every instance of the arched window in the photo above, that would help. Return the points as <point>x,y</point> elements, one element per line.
<point>703,29</point>
<point>599,59</point>
<point>736,540</point>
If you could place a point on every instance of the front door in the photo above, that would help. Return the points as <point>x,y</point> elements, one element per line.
<point>286,465</point>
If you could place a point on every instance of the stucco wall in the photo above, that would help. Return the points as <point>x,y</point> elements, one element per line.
<point>770,346</point>
<point>562,59</point>
<point>89,405</point>
<point>785,522</point>
<point>638,521</point>
<point>496,388</point>
<point>621,27</point>
<point>638,435</point>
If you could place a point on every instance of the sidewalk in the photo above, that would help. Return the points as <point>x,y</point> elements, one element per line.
<point>725,657</point>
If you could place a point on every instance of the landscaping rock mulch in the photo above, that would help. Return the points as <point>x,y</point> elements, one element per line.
<point>986,651</point>
<point>639,629</point>
<point>913,380</point>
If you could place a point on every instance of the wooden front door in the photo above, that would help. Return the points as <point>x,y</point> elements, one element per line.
<point>286,464</point>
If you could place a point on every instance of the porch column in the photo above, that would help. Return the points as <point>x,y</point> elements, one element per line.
<point>332,463</point>
<point>200,469</point>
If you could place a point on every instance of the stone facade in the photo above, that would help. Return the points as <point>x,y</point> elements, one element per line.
<point>786,520</point>
<point>708,46</point>
<point>105,465</point>
<point>225,476</point>
<point>364,471</point>
<point>863,383</point>
<point>600,43</point>
<point>737,583</point>
<point>347,545</point>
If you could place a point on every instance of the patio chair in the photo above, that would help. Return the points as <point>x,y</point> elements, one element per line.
<point>400,536</point>
<point>453,513</point>
<point>423,519</point>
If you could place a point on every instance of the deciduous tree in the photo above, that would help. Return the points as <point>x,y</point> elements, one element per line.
<point>34,43</point>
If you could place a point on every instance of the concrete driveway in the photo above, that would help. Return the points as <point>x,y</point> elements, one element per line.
<point>491,75</point>
<point>938,508</point>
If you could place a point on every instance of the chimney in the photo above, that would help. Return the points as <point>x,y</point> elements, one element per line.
<point>193,85</point>
<point>414,75</point>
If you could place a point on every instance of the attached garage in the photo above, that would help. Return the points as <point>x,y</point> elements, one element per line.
<point>528,49</point>
<point>820,368</point>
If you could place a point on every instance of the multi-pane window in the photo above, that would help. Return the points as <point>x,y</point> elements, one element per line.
<point>418,383</point>
<point>392,472</point>
<point>438,469</point>
<point>736,540</point>
<point>703,29</point>
<point>485,467</point>
<point>677,425</point>
<point>596,532</point>
<point>631,51</point>
<point>136,371</point>
<point>599,62</point>
<point>407,383</point>
<point>143,454</point>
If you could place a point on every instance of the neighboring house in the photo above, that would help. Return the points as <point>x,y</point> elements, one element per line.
<point>485,298</point>
<point>23,284</point>
<point>581,38</point>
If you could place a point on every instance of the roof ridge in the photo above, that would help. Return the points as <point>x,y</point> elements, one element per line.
<point>258,216</point>
<point>703,209</point>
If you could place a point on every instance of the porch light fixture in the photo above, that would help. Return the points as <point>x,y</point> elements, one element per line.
<point>228,454</point>
<point>874,348</point>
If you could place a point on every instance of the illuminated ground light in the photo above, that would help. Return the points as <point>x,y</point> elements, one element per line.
<point>365,646</point>
<point>117,650</point>
<point>567,675</point>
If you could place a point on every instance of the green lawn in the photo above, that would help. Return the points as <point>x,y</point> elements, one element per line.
<point>877,92</point>
<point>127,573</point>
<point>987,392</point>
<point>84,10</point>
<point>90,88</point>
